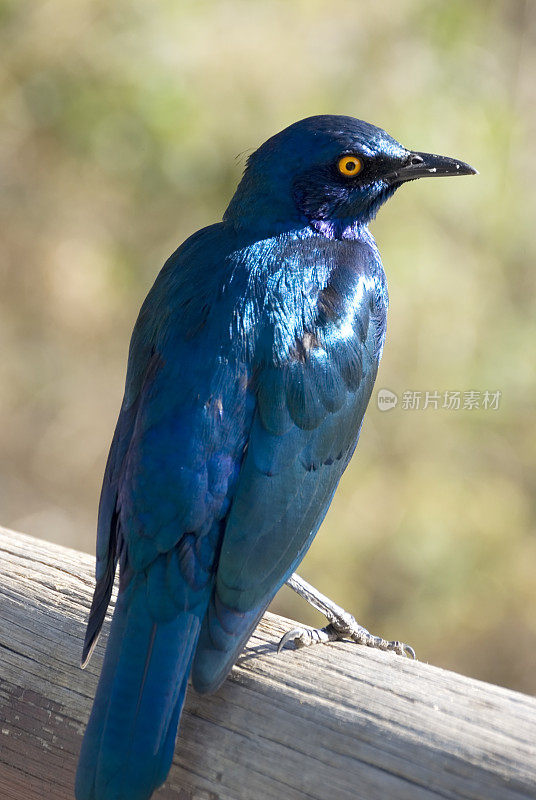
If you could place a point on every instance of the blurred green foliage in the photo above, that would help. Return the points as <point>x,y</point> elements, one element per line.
<point>121,127</point>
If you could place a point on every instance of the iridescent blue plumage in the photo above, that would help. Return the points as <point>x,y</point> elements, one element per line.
<point>250,369</point>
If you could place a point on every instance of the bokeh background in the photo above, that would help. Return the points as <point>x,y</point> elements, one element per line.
<point>125,128</point>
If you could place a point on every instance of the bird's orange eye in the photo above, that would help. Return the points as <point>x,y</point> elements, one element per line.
<point>349,166</point>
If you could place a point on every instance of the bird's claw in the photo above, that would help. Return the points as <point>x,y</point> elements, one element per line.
<point>345,627</point>
<point>304,637</point>
<point>357,633</point>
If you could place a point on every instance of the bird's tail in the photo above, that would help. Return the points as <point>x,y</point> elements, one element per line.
<point>128,745</point>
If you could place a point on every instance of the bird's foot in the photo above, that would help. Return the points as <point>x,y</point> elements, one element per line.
<point>339,629</point>
<point>342,625</point>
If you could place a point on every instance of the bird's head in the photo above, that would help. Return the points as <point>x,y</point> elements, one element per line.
<point>330,172</point>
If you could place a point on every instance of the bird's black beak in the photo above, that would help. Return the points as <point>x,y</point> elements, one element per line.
<point>427,165</point>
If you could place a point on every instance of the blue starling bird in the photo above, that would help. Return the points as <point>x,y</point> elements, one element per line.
<point>250,368</point>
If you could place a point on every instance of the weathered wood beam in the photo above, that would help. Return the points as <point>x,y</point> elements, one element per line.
<point>335,722</point>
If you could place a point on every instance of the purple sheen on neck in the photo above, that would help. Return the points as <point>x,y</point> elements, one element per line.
<point>339,229</point>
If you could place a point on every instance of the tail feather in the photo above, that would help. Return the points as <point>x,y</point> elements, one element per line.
<point>168,747</point>
<point>129,742</point>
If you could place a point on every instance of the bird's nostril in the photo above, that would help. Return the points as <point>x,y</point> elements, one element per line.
<point>414,160</point>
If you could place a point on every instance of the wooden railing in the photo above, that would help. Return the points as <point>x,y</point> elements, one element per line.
<point>334,722</point>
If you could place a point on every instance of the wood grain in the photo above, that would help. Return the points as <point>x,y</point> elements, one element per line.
<point>335,722</point>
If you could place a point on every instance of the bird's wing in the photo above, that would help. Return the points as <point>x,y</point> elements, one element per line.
<point>143,365</point>
<point>179,440</point>
<point>306,426</point>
